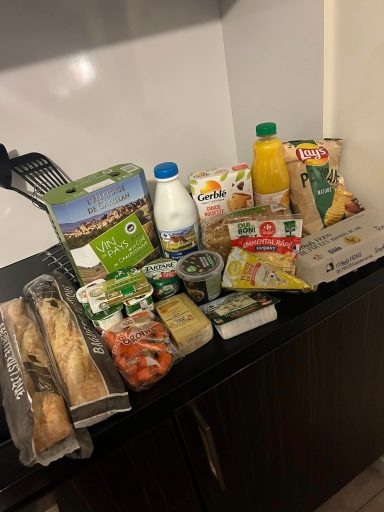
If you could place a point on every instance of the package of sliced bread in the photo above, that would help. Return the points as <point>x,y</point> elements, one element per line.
<point>93,388</point>
<point>36,412</point>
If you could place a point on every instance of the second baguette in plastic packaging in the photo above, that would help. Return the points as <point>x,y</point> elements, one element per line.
<point>93,388</point>
<point>36,412</point>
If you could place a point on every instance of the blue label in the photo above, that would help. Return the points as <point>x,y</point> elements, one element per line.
<point>177,243</point>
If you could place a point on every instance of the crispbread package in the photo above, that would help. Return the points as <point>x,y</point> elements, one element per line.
<point>93,388</point>
<point>317,189</point>
<point>36,412</point>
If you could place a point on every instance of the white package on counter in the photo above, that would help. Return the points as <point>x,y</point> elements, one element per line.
<point>342,248</point>
<point>240,312</point>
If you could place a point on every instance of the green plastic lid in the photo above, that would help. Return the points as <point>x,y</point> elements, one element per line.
<point>264,129</point>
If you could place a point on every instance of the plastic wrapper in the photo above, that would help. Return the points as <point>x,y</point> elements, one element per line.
<point>190,329</point>
<point>92,387</point>
<point>240,312</point>
<point>215,233</point>
<point>141,349</point>
<point>273,237</point>
<point>246,272</point>
<point>36,412</point>
<point>317,189</point>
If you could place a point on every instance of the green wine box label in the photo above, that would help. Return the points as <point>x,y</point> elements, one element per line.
<point>123,245</point>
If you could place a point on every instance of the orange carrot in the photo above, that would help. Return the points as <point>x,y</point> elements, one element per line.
<point>110,339</point>
<point>165,361</point>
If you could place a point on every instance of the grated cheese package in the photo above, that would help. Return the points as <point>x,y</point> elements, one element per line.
<point>215,234</point>
<point>275,239</point>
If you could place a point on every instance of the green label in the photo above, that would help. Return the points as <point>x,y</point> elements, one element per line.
<point>200,263</point>
<point>124,245</point>
<point>290,228</point>
<point>322,191</point>
<point>236,305</point>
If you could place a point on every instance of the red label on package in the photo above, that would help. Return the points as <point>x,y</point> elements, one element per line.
<point>279,245</point>
<point>267,228</point>
<point>276,241</point>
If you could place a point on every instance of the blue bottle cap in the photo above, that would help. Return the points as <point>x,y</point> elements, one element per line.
<point>166,170</point>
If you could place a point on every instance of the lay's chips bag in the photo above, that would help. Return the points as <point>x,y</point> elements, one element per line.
<point>316,187</point>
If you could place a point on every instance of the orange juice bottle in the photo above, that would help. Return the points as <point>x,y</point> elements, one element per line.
<point>270,177</point>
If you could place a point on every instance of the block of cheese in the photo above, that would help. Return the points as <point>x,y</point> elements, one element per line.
<point>188,326</point>
<point>240,312</point>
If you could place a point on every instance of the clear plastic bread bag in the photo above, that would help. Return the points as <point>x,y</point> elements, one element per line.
<point>35,409</point>
<point>93,388</point>
<point>272,233</point>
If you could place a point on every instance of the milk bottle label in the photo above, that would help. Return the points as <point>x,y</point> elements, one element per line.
<point>176,243</point>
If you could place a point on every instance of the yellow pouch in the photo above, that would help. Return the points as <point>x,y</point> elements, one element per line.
<point>245,271</point>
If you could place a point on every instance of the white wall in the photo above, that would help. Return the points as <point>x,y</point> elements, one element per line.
<point>96,83</point>
<point>354,87</point>
<point>274,54</point>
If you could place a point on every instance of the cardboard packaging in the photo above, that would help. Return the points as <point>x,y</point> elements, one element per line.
<point>342,248</point>
<point>222,190</point>
<point>105,221</point>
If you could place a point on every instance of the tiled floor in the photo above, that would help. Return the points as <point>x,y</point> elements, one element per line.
<point>364,494</point>
<point>45,504</point>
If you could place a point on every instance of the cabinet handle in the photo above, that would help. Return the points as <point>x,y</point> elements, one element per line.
<point>209,446</point>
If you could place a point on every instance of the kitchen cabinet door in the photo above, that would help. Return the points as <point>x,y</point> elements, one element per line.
<point>291,429</point>
<point>148,473</point>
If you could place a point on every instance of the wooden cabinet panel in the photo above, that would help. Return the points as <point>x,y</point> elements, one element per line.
<point>297,425</point>
<point>148,473</point>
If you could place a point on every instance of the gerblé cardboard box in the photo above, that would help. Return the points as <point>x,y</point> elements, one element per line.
<point>105,221</point>
<point>222,190</point>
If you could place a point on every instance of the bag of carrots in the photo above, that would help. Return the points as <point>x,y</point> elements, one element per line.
<point>141,349</point>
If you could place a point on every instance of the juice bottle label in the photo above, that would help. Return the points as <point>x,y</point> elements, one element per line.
<point>281,197</point>
<point>178,242</point>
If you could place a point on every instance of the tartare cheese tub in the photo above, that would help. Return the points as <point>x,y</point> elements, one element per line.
<point>188,326</point>
<point>246,272</point>
<point>240,312</point>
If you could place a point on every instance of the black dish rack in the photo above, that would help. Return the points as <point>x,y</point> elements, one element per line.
<point>42,175</point>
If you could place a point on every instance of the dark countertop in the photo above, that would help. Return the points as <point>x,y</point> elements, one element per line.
<point>198,372</point>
